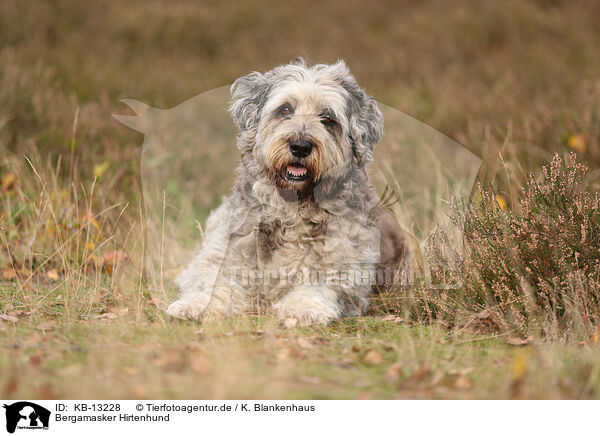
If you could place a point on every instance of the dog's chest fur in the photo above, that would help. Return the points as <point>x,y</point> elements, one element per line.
<point>296,238</point>
<point>284,241</point>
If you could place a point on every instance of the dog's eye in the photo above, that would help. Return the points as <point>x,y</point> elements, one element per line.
<point>327,118</point>
<point>285,110</point>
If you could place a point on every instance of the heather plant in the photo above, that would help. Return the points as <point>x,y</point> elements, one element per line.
<point>533,270</point>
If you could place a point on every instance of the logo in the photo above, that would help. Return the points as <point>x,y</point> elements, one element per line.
<point>26,415</point>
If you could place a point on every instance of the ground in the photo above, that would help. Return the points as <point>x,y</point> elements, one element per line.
<point>369,357</point>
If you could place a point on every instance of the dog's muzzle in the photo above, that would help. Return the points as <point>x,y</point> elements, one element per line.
<point>296,171</point>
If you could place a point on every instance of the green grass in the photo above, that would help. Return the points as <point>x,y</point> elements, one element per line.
<point>252,358</point>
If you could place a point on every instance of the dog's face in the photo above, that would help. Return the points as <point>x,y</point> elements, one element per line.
<point>303,127</point>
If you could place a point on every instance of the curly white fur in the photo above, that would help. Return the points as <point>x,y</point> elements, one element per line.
<point>275,227</point>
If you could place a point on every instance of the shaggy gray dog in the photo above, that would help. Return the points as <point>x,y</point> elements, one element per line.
<point>300,234</point>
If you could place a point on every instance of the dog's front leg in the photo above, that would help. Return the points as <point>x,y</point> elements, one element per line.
<point>305,305</point>
<point>203,295</point>
<point>205,292</point>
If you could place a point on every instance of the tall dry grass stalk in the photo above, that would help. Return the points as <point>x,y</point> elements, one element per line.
<point>63,251</point>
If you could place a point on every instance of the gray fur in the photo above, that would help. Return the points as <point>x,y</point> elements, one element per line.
<point>324,225</point>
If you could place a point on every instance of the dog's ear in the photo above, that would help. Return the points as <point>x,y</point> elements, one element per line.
<point>248,94</point>
<point>365,121</point>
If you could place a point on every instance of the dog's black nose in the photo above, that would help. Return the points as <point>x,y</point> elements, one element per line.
<point>301,147</point>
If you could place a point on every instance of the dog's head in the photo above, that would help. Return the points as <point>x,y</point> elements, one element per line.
<point>303,126</point>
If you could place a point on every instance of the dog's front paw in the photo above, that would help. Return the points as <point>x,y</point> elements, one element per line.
<point>303,319</point>
<point>307,306</point>
<point>183,309</point>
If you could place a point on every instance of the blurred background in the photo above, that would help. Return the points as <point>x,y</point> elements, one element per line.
<point>524,72</point>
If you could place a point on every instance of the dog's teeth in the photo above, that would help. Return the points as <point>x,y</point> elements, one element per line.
<point>296,170</point>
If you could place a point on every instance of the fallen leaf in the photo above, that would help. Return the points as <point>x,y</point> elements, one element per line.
<point>9,318</point>
<point>437,377</point>
<point>464,371</point>
<point>100,169</point>
<point>502,202</point>
<point>519,341</point>
<point>52,274</point>
<point>8,181</point>
<point>578,142</point>
<point>463,383</point>
<point>32,340</point>
<point>347,361</point>
<point>46,326</point>
<point>304,343</point>
<point>283,353</point>
<point>107,315</point>
<point>520,366</point>
<point>9,274</point>
<point>70,371</point>
<point>394,372</point>
<point>138,392</point>
<point>36,358</point>
<point>421,372</point>
<point>155,301</point>
<point>200,364</point>
<point>373,357</point>
<point>393,318</point>
<point>90,219</point>
<point>113,258</point>
<point>171,361</point>
<point>321,340</point>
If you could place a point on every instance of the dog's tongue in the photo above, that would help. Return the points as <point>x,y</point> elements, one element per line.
<point>296,170</point>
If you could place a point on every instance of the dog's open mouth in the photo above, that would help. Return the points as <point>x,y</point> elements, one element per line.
<point>296,173</point>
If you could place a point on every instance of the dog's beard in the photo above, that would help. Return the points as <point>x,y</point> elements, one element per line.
<point>315,177</point>
<point>295,178</point>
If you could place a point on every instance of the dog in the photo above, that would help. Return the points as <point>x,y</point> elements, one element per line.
<point>302,233</point>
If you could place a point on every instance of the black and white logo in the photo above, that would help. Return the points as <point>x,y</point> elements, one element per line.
<point>26,415</point>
